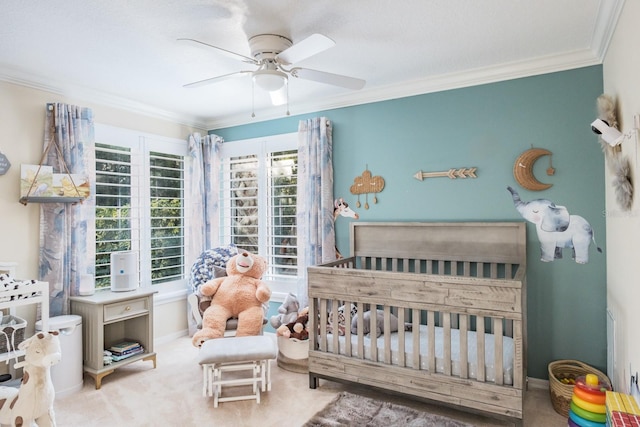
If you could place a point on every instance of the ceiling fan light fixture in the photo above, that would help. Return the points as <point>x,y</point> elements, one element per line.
<point>270,80</point>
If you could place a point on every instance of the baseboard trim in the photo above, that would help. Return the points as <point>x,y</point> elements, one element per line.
<point>170,337</point>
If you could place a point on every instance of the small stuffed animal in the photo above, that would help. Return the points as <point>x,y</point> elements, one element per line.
<point>287,312</point>
<point>239,295</point>
<point>340,327</point>
<point>366,320</point>
<point>299,328</point>
<point>296,329</point>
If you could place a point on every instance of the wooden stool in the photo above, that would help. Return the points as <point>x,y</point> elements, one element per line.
<point>237,354</point>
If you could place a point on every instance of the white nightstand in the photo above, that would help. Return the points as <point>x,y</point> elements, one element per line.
<point>112,317</point>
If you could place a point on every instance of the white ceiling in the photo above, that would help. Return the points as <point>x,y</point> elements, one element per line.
<point>125,53</point>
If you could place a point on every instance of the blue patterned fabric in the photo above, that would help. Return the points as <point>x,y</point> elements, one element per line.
<point>67,231</point>
<point>210,264</point>
<point>204,171</point>
<point>316,232</point>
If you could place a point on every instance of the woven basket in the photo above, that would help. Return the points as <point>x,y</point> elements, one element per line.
<point>11,332</point>
<point>561,393</point>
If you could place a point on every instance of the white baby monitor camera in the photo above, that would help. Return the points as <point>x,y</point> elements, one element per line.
<point>610,135</point>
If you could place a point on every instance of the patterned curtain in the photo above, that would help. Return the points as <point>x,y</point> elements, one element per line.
<point>67,231</point>
<point>316,232</point>
<point>204,222</point>
<point>204,170</point>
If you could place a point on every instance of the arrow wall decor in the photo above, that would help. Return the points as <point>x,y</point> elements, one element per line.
<point>451,173</point>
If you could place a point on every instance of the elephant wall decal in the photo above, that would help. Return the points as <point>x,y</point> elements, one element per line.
<point>556,228</point>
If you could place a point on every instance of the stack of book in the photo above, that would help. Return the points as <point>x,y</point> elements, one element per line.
<point>125,349</point>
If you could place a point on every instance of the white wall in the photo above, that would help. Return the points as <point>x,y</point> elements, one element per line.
<point>22,115</point>
<point>621,71</point>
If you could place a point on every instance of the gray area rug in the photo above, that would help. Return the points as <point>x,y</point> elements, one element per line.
<point>353,410</point>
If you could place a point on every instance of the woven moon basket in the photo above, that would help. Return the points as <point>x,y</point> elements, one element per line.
<point>570,369</point>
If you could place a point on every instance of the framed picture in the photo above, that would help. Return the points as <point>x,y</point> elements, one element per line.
<point>63,185</point>
<point>40,183</point>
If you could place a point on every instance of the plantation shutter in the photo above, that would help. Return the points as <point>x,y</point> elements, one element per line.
<point>167,216</point>
<point>258,197</point>
<point>117,206</point>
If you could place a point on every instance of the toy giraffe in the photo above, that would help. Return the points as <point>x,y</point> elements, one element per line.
<point>33,401</point>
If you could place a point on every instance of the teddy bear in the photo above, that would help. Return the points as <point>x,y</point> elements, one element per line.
<point>287,312</point>
<point>296,329</point>
<point>239,295</point>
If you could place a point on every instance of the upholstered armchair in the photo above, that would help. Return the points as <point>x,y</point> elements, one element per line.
<point>210,264</point>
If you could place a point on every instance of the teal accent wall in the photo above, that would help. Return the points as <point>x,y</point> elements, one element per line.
<point>487,127</point>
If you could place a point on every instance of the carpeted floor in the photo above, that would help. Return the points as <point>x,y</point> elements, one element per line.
<point>171,395</point>
<point>349,409</point>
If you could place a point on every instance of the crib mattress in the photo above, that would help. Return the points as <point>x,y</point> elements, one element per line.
<point>489,354</point>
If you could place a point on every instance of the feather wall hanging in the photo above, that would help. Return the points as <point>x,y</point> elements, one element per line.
<point>622,182</point>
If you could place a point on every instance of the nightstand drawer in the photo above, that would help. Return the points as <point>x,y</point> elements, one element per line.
<point>125,309</point>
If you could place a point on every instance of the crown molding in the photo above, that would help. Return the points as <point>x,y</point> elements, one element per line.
<point>101,98</point>
<point>429,84</point>
<point>607,19</point>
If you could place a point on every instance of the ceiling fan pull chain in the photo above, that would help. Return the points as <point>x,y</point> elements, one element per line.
<point>253,99</point>
<point>287,85</point>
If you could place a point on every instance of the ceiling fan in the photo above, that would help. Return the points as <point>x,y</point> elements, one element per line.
<point>272,54</point>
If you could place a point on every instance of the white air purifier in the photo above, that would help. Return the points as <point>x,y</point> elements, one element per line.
<point>124,271</point>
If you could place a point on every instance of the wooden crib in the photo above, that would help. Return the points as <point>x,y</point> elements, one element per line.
<point>458,293</point>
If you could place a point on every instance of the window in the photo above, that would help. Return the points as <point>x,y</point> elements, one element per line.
<point>258,203</point>
<point>140,201</point>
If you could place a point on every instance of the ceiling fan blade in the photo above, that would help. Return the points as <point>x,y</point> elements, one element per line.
<point>304,49</point>
<point>225,52</point>
<point>328,78</point>
<point>217,79</point>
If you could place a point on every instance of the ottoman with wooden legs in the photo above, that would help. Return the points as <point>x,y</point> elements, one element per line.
<point>222,355</point>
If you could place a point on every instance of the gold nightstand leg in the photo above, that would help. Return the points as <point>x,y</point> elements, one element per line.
<point>98,377</point>
<point>152,357</point>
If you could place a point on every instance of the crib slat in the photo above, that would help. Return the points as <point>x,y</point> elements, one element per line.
<point>497,341</point>
<point>494,270</point>
<point>518,355</point>
<point>401,337</point>
<point>336,326</point>
<point>323,325</point>
<point>372,333</point>
<point>508,328</point>
<point>415,321</point>
<point>360,326</point>
<point>387,334</point>
<point>313,336</point>
<point>508,271</point>
<point>480,369</point>
<point>464,346</point>
<point>446,342</point>
<point>431,334</point>
<point>347,328</point>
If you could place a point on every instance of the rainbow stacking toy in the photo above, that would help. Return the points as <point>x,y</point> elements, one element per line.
<point>587,407</point>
